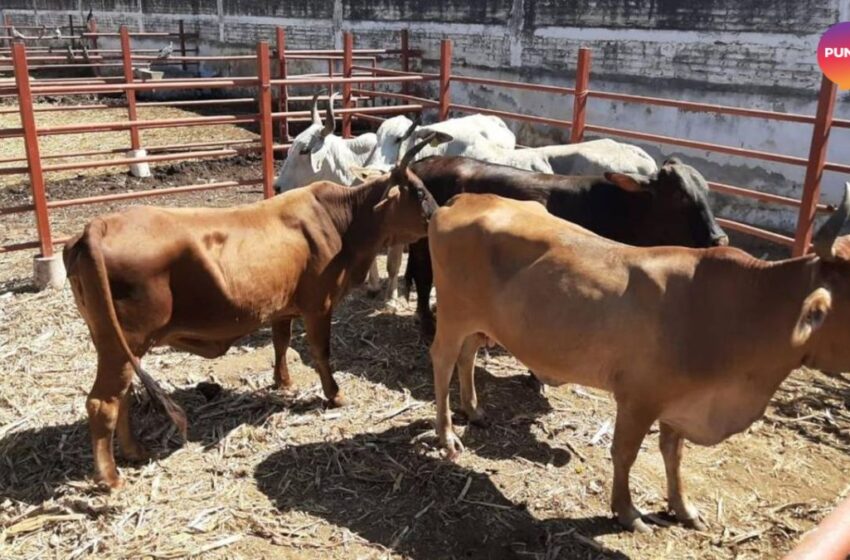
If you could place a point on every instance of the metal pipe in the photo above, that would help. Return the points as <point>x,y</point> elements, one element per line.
<point>135,141</point>
<point>39,198</point>
<point>580,98</point>
<point>266,123</point>
<point>445,78</point>
<point>815,166</point>
<point>755,232</point>
<point>509,115</point>
<point>348,47</point>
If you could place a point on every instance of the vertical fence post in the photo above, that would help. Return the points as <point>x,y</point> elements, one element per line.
<point>282,94</point>
<point>126,54</point>
<point>183,44</point>
<point>71,28</point>
<point>92,28</point>
<point>266,130</point>
<point>7,23</point>
<point>814,169</point>
<point>405,59</point>
<point>445,77</point>
<point>347,63</point>
<point>580,99</point>
<point>25,104</point>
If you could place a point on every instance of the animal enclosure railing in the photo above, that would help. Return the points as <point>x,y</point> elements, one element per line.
<point>37,165</point>
<point>352,79</point>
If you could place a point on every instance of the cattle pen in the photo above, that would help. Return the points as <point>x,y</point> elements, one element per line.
<point>271,474</point>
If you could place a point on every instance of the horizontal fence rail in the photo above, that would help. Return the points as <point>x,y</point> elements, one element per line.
<point>358,83</point>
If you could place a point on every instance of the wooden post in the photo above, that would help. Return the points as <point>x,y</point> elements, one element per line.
<point>347,63</point>
<point>580,99</point>
<point>445,77</point>
<point>814,169</point>
<point>405,59</point>
<point>265,109</point>
<point>282,93</point>
<point>25,104</point>
<point>126,58</point>
<point>182,44</point>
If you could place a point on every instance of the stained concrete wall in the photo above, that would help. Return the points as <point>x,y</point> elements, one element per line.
<point>757,54</point>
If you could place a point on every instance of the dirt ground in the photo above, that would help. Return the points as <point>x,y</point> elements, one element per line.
<point>267,474</point>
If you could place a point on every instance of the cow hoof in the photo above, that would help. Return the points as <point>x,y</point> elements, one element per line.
<point>282,385</point>
<point>137,454</point>
<point>695,523</point>
<point>109,483</point>
<point>477,418</point>
<point>633,521</point>
<point>452,446</point>
<point>337,402</point>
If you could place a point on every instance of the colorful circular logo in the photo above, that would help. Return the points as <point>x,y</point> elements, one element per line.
<point>834,54</point>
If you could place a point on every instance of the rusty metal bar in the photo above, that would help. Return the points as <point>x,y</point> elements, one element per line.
<point>445,78</point>
<point>146,159</point>
<point>756,232</point>
<point>39,198</point>
<point>761,196</point>
<point>182,44</point>
<point>282,91</point>
<point>400,96</point>
<point>393,110</point>
<point>92,34</point>
<point>159,123</point>
<point>543,88</point>
<point>152,192</point>
<point>348,47</point>
<point>580,98</point>
<point>388,72</point>
<point>135,141</point>
<point>703,107</point>
<point>266,124</point>
<point>720,148</point>
<point>405,58</point>
<point>815,166</point>
<point>509,115</point>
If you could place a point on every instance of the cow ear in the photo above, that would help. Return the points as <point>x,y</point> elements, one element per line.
<point>365,174</point>
<point>812,315</point>
<point>628,181</point>
<point>392,194</point>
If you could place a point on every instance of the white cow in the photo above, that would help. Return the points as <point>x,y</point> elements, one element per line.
<point>482,137</point>
<point>597,157</point>
<point>317,154</point>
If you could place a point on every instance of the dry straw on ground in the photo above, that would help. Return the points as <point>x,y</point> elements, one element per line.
<point>268,474</point>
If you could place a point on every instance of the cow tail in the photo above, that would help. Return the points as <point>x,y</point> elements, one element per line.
<point>159,396</point>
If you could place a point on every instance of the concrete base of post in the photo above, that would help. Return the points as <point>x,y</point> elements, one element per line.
<point>139,169</point>
<point>48,272</point>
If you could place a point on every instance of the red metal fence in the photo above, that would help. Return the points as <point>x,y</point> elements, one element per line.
<point>352,80</point>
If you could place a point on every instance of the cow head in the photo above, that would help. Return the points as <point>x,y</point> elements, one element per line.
<point>391,136</point>
<point>824,318</point>
<point>406,205</point>
<point>675,210</point>
<point>317,154</point>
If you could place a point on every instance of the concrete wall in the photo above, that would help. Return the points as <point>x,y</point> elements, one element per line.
<point>754,53</point>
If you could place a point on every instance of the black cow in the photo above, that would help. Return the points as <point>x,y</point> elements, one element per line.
<point>669,207</point>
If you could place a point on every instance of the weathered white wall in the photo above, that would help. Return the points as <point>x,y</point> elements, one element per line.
<point>757,54</point>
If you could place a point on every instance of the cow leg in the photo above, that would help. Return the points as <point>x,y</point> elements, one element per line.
<point>114,375</point>
<point>419,269</point>
<point>373,279</point>
<point>319,336</point>
<point>670,443</point>
<point>632,425</point>
<point>131,449</point>
<point>444,355</point>
<point>394,255</point>
<point>281,333</point>
<point>466,375</point>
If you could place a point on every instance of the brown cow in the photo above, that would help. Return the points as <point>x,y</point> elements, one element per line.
<point>199,279</point>
<point>698,339</point>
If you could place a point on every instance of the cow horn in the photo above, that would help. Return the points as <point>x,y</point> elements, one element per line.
<point>416,122</point>
<point>828,232</point>
<point>330,118</point>
<point>314,110</point>
<point>434,138</point>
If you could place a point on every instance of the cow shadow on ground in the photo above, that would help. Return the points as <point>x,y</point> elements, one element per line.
<point>389,490</point>
<point>821,414</point>
<point>38,461</point>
